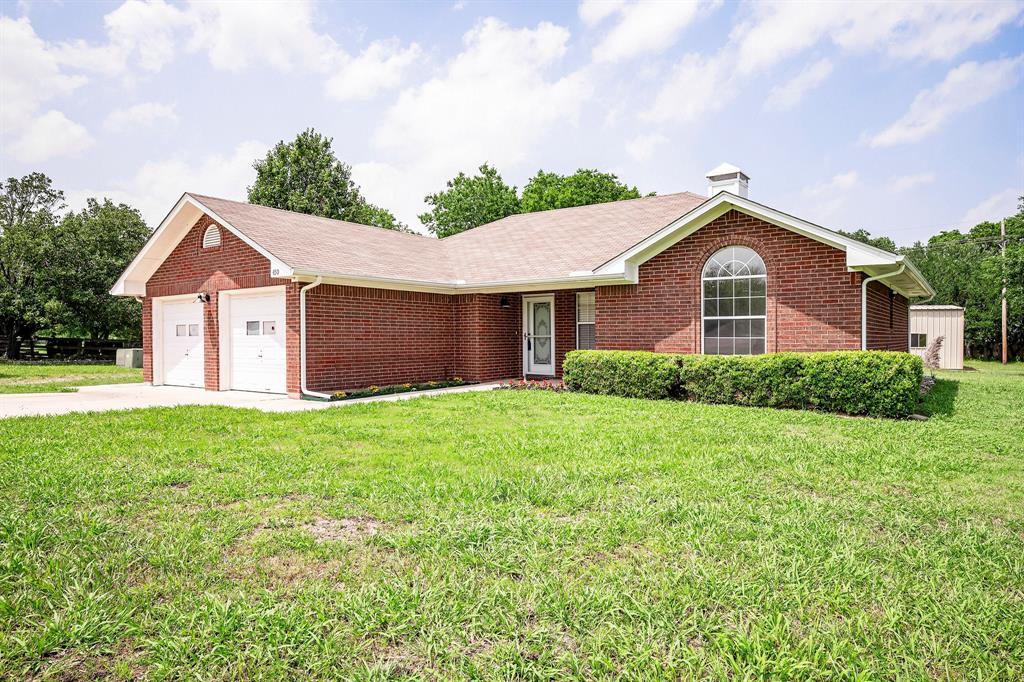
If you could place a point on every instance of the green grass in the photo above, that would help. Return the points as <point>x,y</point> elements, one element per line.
<point>63,378</point>
<point>519,535</point>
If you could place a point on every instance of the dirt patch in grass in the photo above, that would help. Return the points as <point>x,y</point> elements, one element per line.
<point>335,530</point>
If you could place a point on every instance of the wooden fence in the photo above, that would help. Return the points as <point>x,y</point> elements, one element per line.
<point>53,348</point>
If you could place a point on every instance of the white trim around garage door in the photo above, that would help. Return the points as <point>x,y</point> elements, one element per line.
<point>157,331</point>
<point>224,327</point>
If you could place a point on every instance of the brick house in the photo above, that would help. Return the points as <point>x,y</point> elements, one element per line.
<point>244,297</point>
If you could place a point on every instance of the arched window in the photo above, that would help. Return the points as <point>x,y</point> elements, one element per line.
<point>734,301</point>
<point>211,237</point>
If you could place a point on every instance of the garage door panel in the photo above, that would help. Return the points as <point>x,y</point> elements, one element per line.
<point>257,355</point>
<point>182,343</point>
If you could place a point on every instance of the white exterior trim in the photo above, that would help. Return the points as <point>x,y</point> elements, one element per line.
<point>224,327</point>
<point>526,326</point>
<point>157,332</point>
<point>166,237</point>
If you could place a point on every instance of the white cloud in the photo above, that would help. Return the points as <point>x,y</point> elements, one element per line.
<point>30,76</point>
<point>158,184</point>
<point>642,147</point>
<point>595,11</point>
<point>996,207</point>
<point>906,183</point>
<point>493,101</point>
<point>825,199</point>
<point>964,87</point>
<point>49,136</point>
<point>236,35</point>
<point>379,67</point>
<point>696,86</point>
<point>141,115</point>
<point>918,30</point>
<point>642,27</point>
<point>788,95</point>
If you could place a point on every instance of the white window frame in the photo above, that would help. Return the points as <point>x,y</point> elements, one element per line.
<point>593,295</point>
<point>733,317</point>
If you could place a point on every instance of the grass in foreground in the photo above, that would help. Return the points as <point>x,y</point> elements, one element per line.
<point>518,535</point>
<point>63,378</point>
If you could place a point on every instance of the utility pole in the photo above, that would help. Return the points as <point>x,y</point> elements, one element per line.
<point>1002,247</point>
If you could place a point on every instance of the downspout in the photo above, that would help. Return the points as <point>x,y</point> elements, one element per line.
<point>303,390</point>
<point>864,303</point>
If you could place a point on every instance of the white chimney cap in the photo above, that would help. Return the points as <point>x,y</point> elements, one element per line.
<point>727,178</point>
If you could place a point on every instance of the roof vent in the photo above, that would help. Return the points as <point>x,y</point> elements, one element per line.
<point>727,178</point>
<point>211,237</point>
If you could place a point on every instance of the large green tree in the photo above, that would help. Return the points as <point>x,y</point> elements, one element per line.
<point>545,190</point>
<point>94,246</point>
<point>862,235</point>
<point>469,201</point>
<point>28,247</point>
<point>305,176</point>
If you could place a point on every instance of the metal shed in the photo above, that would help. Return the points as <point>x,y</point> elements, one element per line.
<point>928,322</point>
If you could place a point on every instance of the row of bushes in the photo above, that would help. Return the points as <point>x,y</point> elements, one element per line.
<point>876,383</point>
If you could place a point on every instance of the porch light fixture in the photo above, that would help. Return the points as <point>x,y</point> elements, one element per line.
<point>504,302</point>
<point>203,297</point>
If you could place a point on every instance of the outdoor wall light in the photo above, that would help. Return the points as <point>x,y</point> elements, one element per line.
<point>203,298</point>
<point>504,302</point>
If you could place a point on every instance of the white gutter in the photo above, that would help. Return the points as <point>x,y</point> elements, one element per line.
<point>303,390</point>
<point>864,303</point>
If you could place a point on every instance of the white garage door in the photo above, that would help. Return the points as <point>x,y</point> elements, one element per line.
<point>257,353</point>
<point>182,342</point>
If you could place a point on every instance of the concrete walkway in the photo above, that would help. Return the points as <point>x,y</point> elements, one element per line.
<point>134,396</point>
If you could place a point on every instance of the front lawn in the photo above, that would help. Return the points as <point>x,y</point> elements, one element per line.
<point>53,378</point>
<point>518,535</point>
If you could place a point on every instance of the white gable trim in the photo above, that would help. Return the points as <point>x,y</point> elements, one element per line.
<point>168,235</point>
<point>859,256</point>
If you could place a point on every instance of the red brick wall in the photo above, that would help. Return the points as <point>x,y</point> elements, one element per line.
<point>813,302</point>
<point>191,269</point>
<point>885,331</point>
<point>488,338</point>
<point>358,336</point>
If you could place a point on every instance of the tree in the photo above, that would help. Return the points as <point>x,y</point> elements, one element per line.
<point>468,202</point>
<point>305,176</point>
<point>28,239</point>
<point>95,245</point>
<point>586,186</point>
<point>863,235</point>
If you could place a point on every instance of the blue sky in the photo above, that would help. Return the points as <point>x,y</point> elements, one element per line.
<point>901,118</point>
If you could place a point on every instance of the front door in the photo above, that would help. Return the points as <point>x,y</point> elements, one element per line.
<point>539,335</point>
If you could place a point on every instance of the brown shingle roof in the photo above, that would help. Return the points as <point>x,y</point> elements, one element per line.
<point>540,246</point>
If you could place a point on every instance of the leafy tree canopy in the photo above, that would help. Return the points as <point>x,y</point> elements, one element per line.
<point>545,190</point>
<point>305,176</point>
<point>862,235</point>
<point>470,201</point>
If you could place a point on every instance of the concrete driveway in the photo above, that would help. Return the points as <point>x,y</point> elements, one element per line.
<point>134,396</point>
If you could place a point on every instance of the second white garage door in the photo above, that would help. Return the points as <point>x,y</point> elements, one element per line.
<point>256,360</point>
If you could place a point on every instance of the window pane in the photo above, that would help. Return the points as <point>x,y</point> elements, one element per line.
<point>725,346</point>
<point>252,328</point>
<point>585,308</point>
<point>756,346</point>
<point>742,287</point>
<point>710,328</point>
<point>269,327</point>
<point>757,306</point>
<point>710,345</point>
<point>742,347</point>
<point>725,328</point>
<point>741,306</point>
<point>180,330</point>
<point>711,307</point>
<point>734,298</point>
<point>757,286</point>
<point>743,328</point>
<point>757,328</point>
<point>193,330</point>
<point>725,306</point>
<point>587,338</point>
<point>725,288</point>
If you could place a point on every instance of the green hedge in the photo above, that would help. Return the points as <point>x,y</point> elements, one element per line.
<point>876,383</point>
<point>630,374</point>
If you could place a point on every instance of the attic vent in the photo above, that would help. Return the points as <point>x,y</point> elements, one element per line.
<point>211,237</point>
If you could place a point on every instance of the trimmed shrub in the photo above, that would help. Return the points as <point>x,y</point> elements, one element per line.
<point>630,374</point>
<point>875,383</point>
